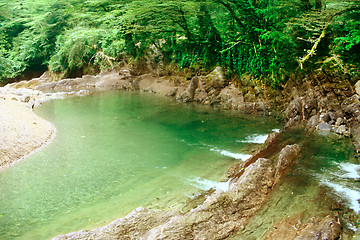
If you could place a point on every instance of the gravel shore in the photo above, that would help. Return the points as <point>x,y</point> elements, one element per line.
<point>21,131</point>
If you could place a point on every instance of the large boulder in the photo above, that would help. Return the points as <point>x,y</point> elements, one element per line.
<point>215,79</point>
<point>189,93</point>
<point>351,105</point>
<point>231,97</point>
<point>294,108</point>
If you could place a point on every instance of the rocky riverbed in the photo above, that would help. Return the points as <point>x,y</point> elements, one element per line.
<point>329,107</point>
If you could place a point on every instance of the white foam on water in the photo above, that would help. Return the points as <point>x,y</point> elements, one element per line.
<point>351,227</point>
<point>205,184</point>
<point>351,170</point>
<point>61,95</point>
<point>276,130</point>
<point>350,195</point>
<point>240,156</point>
<point>256,138</point>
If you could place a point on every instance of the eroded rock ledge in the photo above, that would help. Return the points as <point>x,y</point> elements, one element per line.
<point>222,213</point>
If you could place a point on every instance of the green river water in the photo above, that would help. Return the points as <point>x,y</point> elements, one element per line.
<point>117,151</point>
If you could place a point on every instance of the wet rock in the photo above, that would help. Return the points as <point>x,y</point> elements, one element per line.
<point>133,226</point>
<point>286,228</point>
<point>355,133</point>
<point>235,169</point>
<point>327,228</point>
<point>188,94</point>
<point>351,105</point>
<point>323,126</point>
<point>215,79</point>
<point>312,123</point>
<point>294,108</point>
<point>339,121</point>
<point>325,117</point>
<point>286,160</point>
<point>253,185</point>
<point>294,228</point>
<point>221,214</point>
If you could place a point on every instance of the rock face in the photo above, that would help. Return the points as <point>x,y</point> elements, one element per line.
<point>214,89</point>
<point>326,105</point>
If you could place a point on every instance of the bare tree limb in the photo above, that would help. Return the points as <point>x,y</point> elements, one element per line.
<point>323,32</point>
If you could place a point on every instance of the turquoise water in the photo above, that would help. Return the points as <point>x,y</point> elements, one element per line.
<point>117,151</point>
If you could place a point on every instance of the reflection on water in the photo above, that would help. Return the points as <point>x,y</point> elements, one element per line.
<point>114,152</point>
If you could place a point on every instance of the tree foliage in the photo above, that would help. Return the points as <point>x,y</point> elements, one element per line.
<point>264,38</point>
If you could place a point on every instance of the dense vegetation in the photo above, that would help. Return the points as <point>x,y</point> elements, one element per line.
<point>264,38</point>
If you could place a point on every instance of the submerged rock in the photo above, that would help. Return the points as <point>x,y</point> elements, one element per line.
<point>294,228</point>
<point>321,228</point>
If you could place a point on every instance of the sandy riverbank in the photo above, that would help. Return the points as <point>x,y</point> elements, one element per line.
<point>21,131</point>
